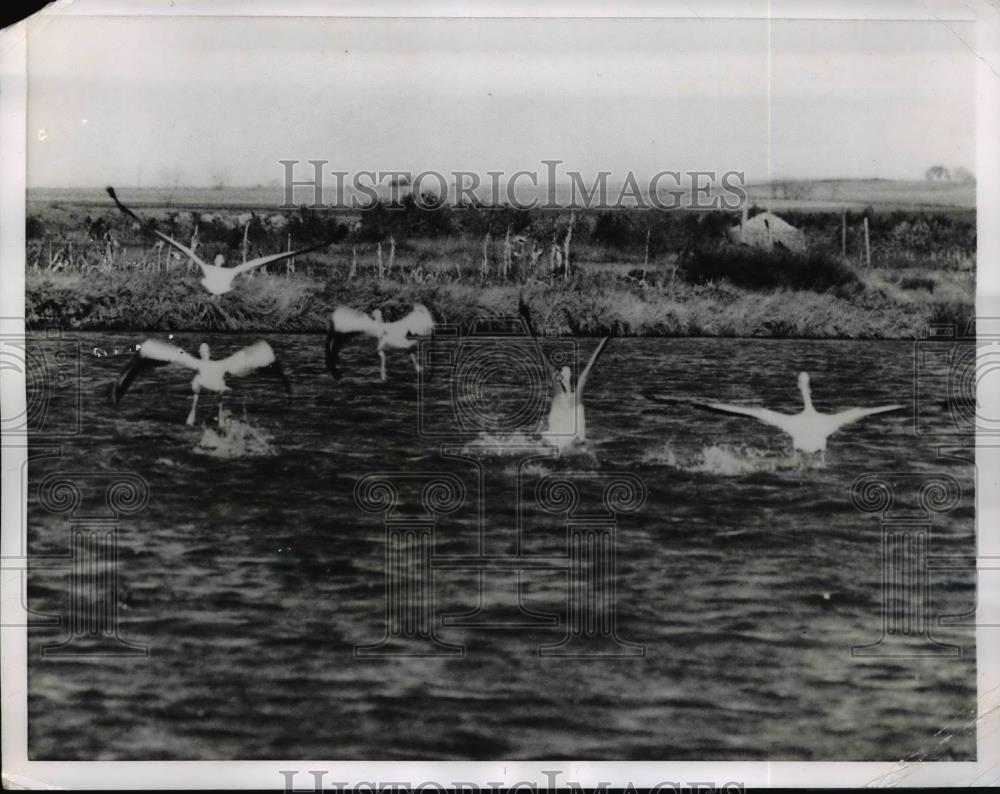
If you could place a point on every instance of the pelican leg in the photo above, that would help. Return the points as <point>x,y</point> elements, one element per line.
<point>194,406</point>
<point>381,355</point>
<point>416,362</point>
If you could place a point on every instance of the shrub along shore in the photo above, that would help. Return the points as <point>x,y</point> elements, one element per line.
<point>871,275</point>
<point>588,307</point>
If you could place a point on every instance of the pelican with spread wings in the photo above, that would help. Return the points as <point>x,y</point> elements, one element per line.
<point>346,323</point>
<point>210,375</point>
<point>809,428</point>
<point>566,425</point>
<point>217,278</point>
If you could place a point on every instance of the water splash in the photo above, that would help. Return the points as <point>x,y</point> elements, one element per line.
<point>510,445</point>
<point>727,460</point>
<point>529,471</point>
<point>734,461</point>
<point>506,444</point>
<point>662,455</point>
<point>235,438</point>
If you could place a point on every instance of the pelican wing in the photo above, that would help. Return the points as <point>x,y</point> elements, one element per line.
<point>154,350</point>
<point>277,371</point>
<point>346,320</point>
<point>267,260</point>
<point>257,358</point>
<point>136,366</point>
<point>150,354</point>
<point>418,322</point>
<point>344,323</point>
<point>182,248</point>
<point>652,396</point>
<point>582,380</point>
<point>250,358</point>
<point>553,374</point>
<point>331,349</point>
<point>841,418</point>
<point>761,414</point>
<point>166,238</point>
<point>122,207</point>
<point>525,312</point>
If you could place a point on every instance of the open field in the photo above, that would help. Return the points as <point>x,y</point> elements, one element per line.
<point>626,272</point>
<point>880,194</point>
<point>823,195</point>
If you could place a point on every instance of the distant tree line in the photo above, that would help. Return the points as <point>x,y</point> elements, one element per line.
<point>938,173</point>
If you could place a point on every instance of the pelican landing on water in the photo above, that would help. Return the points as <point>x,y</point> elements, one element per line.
<point>211,375</point>
<point>216,278</point>
<point>567,424</point>
<point>809,428</point>
<point>402,334</point>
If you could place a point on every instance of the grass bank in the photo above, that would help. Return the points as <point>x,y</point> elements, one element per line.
<point>860,275</point>
<point>878,307</point>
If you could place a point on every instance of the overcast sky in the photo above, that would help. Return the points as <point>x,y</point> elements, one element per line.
<point>159,100</point>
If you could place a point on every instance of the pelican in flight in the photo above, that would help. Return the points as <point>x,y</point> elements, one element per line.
<point>216,278</point>
<point>403,334</point>
<point>211,375</point>
<point>809,428</point>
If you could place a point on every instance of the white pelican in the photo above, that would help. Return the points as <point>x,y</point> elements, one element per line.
<point>809,428</point>
<point>216,278</point>
<point>566,424</point>
<point>211,375</point>
<point>403,334</point>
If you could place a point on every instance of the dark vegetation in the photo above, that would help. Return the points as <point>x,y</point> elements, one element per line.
<point>624,271</point>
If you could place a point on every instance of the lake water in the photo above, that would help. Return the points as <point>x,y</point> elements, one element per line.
<point>257,581</point>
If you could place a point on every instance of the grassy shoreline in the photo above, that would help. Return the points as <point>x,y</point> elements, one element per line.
<point>586,306</point>
<point>867,275</point>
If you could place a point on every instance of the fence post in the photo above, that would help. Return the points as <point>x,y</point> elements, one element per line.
<point>553,255</point>
<point>506,254</point>
<point>868,246</point>
<point>645,257</point>
<point>194,247</point>
<point>566,242</point>
<point>246,234</point>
